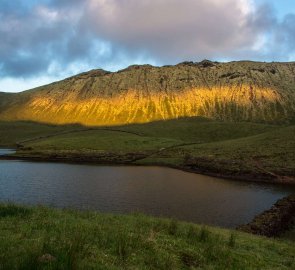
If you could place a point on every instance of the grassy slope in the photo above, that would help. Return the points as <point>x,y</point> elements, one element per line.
<point>193,129</point>
<point>270,152</point>
<point>220,147</point>
<point>197,129</point>
<point>88,240</point>
<point>101,140</point>
<point>187,130</point>
<point>13,132</point>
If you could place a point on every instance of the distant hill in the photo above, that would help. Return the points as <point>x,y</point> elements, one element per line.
<point>235,91</point>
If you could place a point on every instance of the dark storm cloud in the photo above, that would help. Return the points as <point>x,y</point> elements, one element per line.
<point>46,37</point>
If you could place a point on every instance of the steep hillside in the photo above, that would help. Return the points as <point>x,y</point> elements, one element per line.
<point>247,91</point>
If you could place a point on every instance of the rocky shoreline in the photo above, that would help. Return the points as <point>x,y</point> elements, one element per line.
<point>275,221</point>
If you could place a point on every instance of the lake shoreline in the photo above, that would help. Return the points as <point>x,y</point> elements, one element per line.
<point>208,171</point>
<point>263,228</point>
<point>274,221</point>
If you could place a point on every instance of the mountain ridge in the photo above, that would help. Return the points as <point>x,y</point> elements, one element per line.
<point>233,91</point>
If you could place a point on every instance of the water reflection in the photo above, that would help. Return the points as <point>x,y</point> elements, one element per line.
<point>152,190</point>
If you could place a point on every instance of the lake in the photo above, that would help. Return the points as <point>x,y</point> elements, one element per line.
<point>156,191</point>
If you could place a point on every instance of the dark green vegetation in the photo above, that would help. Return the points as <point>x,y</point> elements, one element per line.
<point>237,150</point>
<point>290,234</point>
<point>42,238</point>
<point>235,91</point>
<point>270,155</point>
<point>13,132</point>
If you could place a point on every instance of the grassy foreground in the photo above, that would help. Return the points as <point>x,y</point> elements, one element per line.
<point>43,238</point>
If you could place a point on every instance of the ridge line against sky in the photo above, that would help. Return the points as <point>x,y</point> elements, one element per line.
<point>42,41</point>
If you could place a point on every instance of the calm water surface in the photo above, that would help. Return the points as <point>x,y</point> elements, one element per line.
<point>152,190</point>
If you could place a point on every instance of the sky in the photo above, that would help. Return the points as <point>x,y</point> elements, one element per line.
<point>42,41</point>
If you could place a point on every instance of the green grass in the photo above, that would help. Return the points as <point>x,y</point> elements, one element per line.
<point>212,146</point>
<point>271,151</point>
<point>43,238</point>
<point>195,129</point>
<point>13,132</point>
<point>198,129</point>
<point>102,140</point>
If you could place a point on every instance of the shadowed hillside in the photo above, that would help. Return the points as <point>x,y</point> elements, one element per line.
<point>236,91</point>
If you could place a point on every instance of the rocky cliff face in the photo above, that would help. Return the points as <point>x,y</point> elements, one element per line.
<point>236,91</point>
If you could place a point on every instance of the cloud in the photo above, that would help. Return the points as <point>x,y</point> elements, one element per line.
<point>56,38</point>
<point>170,30</point>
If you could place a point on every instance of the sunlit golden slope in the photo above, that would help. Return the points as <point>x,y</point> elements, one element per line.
<point>234,91</point>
